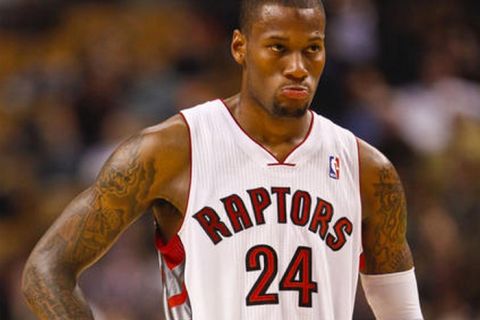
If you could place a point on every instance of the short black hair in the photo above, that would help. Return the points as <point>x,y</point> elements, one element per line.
<point>248,9</point>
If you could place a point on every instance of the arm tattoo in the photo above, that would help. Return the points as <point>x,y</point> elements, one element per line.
<point>86,229</point>
<point>50,300</point>
<point>116,177</point>
<point>390,252</point>
<point>114,202</point>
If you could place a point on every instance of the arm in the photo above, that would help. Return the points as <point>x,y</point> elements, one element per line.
<point>87,228</point>
<point>384,221</point>
<point>388,277</point>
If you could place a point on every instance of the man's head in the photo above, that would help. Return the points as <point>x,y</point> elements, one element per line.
<point>249,9</point>
<point>280,46</point>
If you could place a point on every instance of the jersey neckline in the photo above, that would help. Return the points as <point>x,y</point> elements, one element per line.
<point>271,159</point>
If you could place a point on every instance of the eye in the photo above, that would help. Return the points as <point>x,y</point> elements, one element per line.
<point>278,48</point>
<point>315,48</point>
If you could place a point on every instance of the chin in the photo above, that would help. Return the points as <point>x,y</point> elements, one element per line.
<point>280,110</point>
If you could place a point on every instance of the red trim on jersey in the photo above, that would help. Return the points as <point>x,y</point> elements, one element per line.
<point>363,263</point>
<point>278,162</point>
<point>191,165</point>
<point>359,172</point>
<point>306,136</point>
<point>281,164</point>
<point>178,299</point>
<point>172,252</point>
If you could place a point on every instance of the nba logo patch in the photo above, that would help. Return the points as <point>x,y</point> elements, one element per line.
<point>334,168</point>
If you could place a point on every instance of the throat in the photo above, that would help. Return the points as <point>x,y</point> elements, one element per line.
<point>281,146</point>
<point>281,151</point>
<point>280,136</point>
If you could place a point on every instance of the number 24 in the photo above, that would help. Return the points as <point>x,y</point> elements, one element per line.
<point>300,264</point>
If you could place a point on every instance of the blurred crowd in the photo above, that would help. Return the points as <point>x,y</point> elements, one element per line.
<point>78,77</point>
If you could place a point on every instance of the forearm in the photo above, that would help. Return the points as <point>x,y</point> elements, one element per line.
<point>387,258</point>
<point>54,295</point>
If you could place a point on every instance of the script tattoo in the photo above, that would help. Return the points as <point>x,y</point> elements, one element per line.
<point>390,252</point>
<point>86,229</point>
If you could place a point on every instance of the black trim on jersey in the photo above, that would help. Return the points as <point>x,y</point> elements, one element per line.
<point>237,213</point>
<point>210,221</point>
<point>301,199</point>
<point>281,202</point>
<point>300,264</point>
<point>342,226</point>
<point>258,294</point>
<point>260,199</point>
<point>322,216</point>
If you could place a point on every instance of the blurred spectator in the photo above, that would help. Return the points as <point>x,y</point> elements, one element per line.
<point>77,77</point>
<point>352,31</point>
<point>116,128</point>
<point>426,111</point>
<point>368,104</point>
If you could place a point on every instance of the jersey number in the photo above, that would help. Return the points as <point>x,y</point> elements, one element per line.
<point>297,277</point>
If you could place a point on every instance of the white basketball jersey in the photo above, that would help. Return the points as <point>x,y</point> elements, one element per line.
<point>264,239</point>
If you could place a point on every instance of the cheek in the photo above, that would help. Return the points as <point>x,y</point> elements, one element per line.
<point>262,64</point>
<point>319,65</point>
<point>262,78</point>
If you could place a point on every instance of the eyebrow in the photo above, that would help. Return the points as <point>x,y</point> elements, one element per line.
<point>280,38</point>
<point>320,37</point>
<point>275,37</point>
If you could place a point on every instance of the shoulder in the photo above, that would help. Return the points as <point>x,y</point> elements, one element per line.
<point>371,159</point>
<point>377,177</point>
<point>170,136</point>
<point>167,146</point>
<point>163,150</point>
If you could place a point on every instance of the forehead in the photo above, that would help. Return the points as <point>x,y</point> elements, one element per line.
<point>271,19</point>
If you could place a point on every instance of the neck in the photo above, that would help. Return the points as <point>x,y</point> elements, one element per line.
<point>278,134</point>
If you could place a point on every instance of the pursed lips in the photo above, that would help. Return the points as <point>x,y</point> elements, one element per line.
<point>295,91</point>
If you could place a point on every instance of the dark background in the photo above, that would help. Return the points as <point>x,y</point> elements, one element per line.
<point>77,77</point>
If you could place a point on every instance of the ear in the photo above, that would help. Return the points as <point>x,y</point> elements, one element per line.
<point>239,47</point>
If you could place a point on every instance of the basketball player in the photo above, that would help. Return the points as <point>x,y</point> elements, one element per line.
<point>263,208</point>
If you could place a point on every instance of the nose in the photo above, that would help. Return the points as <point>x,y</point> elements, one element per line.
<point>295,68</point>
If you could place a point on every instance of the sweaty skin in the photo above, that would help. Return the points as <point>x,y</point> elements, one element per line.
<point>151,170</point>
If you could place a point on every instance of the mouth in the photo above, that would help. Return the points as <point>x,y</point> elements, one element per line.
<point>295,92</point>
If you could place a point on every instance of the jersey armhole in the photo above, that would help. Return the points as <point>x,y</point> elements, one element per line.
<point>359,163</point>
<point>187,206</point>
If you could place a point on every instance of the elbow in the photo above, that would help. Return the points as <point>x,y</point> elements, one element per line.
<point>35,278</point>
<point>42,274</point>
<point>30,282</point>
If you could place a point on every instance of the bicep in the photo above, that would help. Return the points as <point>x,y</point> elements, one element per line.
<point>94,219</point>
<point>384,226</point>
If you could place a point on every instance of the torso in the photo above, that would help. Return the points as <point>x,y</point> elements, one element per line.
<point>230,171</point>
